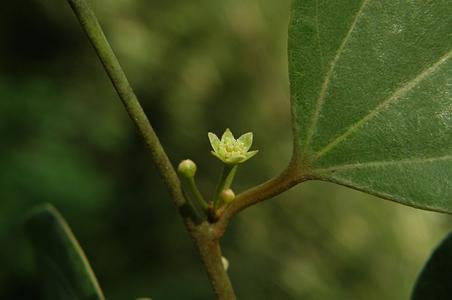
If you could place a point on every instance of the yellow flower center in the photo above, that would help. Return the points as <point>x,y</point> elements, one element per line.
<point>232,148</point>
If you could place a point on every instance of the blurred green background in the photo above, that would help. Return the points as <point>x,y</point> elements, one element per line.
<point>197,66</point>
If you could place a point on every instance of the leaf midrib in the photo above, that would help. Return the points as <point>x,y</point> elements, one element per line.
<point>321,99</point>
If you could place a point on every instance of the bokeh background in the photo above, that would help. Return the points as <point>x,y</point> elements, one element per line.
<point>197,66</point>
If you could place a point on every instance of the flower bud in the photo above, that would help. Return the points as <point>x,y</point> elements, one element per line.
<point>225,263</point>
<point>187,168</point>
<point>227,196</point>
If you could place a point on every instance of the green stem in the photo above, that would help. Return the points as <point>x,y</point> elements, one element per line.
<point>196,213</point>
<point>111,64</point>
<point>207,245</point>
<point>197,194</point>
<point>225,182</point>
<point>194,198</point>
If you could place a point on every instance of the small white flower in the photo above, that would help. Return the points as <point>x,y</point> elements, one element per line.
<point>232,151</point>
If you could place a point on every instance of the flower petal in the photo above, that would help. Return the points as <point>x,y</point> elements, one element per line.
<point>218,156</point>
<point>227,135</point>
<point>249,155</point>
<point>214,141</point>
<point>247,140</point>
<point>233,160</point>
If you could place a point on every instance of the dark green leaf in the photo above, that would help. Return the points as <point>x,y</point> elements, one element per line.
<point>371,88</point>
<point>64,269</point>
<point>435,280</point>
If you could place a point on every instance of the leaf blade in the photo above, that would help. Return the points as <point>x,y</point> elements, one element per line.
<point>61,261</point>
<point>435,278</point>
<point>371,82</point>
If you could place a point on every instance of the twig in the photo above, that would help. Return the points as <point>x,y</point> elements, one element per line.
<point>290,177</point>
<point>207,245</point>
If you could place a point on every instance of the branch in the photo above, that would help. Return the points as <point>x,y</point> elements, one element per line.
<point>290,177</point>
<point>201,232</point>
<point>122,86</point>
<point>210,251</point>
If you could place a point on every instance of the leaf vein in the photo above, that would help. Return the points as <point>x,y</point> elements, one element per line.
<point>397,95</point>
<point>375,164</point>
<point>321,98</point>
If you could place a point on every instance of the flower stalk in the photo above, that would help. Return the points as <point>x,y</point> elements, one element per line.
<point>231,152</point>
<point>225,182</point>
<point>187,169</point>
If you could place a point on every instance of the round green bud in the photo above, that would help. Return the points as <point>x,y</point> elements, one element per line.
<point>187,168</point>
<point>227,196</point>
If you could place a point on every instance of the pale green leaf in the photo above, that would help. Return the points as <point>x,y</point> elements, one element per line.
<point>371,89</point>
